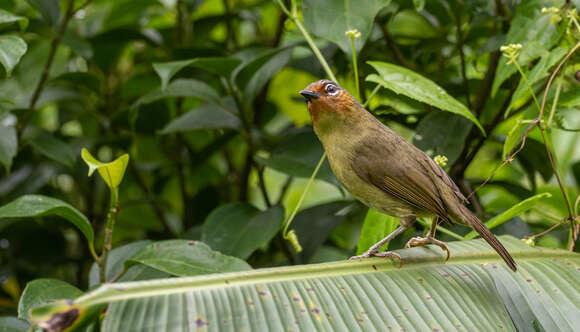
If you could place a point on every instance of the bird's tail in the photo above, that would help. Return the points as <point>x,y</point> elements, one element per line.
<point>485,233</point>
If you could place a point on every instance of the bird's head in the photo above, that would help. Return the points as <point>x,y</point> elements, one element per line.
<point>328,100</point>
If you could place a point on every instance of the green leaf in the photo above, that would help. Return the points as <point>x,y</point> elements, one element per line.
<point>515,210</point>
<point>238,229</point>
<point>253,75</point>
<point>376,226</point>
<point>220,66</point>
<point>371,294</point>
<point>111,172</point>
<point>514,137</point>
<point>419,5</point>
<point>7,18</point>
<point>298,154</point>
<point>442,133</point>
<point>406,82</point>
<point>540,71</point>
<point>116,261</point>
<point>185,258</point>
<point>181,88</point>
<point>12,48</point>
<point>42,291</point>
<point>410,24</point>
<point>49,9</point>
<point>13,324</point>
<point>330,19</point>
<point>207,116</point>
<point>8,140</point>
<point>31,206</point>
<point>51,147</point>
<point>533,30</point>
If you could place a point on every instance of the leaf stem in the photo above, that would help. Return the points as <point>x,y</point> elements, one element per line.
<point>355,66</point>
<point>373,93</point>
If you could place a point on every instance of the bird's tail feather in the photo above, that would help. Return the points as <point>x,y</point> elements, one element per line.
<point>485,233</point>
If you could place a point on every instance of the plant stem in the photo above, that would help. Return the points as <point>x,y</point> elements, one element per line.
<point>355,67</point>
<point>373,93</point>
<point>54,43</point>
<point>554,103</point>
<point>107,243</point>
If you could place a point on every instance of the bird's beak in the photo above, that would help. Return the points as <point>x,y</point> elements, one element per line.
<point>309,94</point>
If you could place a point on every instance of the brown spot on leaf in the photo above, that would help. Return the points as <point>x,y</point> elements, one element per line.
<point>310,289</point>
<point>199,322</point>
<point>61,320</point>
<point>374,267</point>
<point>192,243</point>
<point>428,298</point>
<point>420,280</point>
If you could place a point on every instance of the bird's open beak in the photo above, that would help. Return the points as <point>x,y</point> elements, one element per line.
<point>309,94</point>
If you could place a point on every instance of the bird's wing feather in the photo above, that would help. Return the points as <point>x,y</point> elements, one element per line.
<point>398,174</point>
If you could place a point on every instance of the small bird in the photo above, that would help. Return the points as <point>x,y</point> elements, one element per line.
<point>385,172</point>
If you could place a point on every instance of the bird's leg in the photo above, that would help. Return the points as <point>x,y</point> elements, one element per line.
<point>429,239</point>
<point>374,250</point>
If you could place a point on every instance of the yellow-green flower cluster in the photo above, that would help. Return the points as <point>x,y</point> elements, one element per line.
<point>441,160</point>
<point>511,51</point>
<point>554,12</point>
<point>354,33</point>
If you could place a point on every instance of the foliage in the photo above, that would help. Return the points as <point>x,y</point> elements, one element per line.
<point>224,167</point>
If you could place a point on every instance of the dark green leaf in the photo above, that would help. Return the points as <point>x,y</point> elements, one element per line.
<point>413,85</point>
<point>297,155</point>
<point>409,23</point>
<point>30,206</point>
<point>116,261</point>
<point>49,9</point>
<point>510,213</point>
<point>534,31</point>
<point>238,229</point>
<point>207,116</point>
<point>78,44</point>
<point>13,324</point>
<point>12,48</point>
<point>375,227</point>
<point>185,258</point>
<point>42,291</point>
<point>253,75</point>
<point>77,80</point>
<point>576,172</point>
<point>442,133</point>
<point>8,139</point>
<point>540,70</point>
<point>51,147</point>
<point>8,17</point>
<point>330,19</point>
<point>181,88</point>
<point>219,66</point>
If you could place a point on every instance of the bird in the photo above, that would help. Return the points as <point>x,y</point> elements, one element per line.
<point>386,172</point>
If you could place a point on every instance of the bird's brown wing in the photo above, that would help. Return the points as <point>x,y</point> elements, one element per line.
<point>400,174</point>
<point>445,178</point>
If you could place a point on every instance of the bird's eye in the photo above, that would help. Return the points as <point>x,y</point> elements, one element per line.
<point>331,89</point>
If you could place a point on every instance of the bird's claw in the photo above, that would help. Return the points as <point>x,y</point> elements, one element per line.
<point>383,254</point>
<point>421,241</point>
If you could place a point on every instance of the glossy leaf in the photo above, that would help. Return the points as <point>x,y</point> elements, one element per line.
<point>12,48</point>
<point>376,226</point>
<point>358,295</point>
<point>8,139</point>
<point>111,172</point>
<point>52,147</point>
<point>49,9</point>
<point>42,291</point>
<point>330,19</point>
<point>537,73</point>
<point>253,75</point>
<point>515,210</point>
<point>181,88</point>
<point>220,66</point>
<point>409,23</point>
<point>533,29</point>
<point>207,116</point>
<point>185,258</point>
<point>8,17</point>
<point>31,206</point>
<point>406,82</point>
<point>116,261</point>
<point>442,133</point>
<point>253,228</point>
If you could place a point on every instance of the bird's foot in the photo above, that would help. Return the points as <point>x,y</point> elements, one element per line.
<point>421,241</point>
<point>385,254</point>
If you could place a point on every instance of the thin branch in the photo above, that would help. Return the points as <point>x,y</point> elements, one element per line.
<point>462,56</point>
<point>262,184</point>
